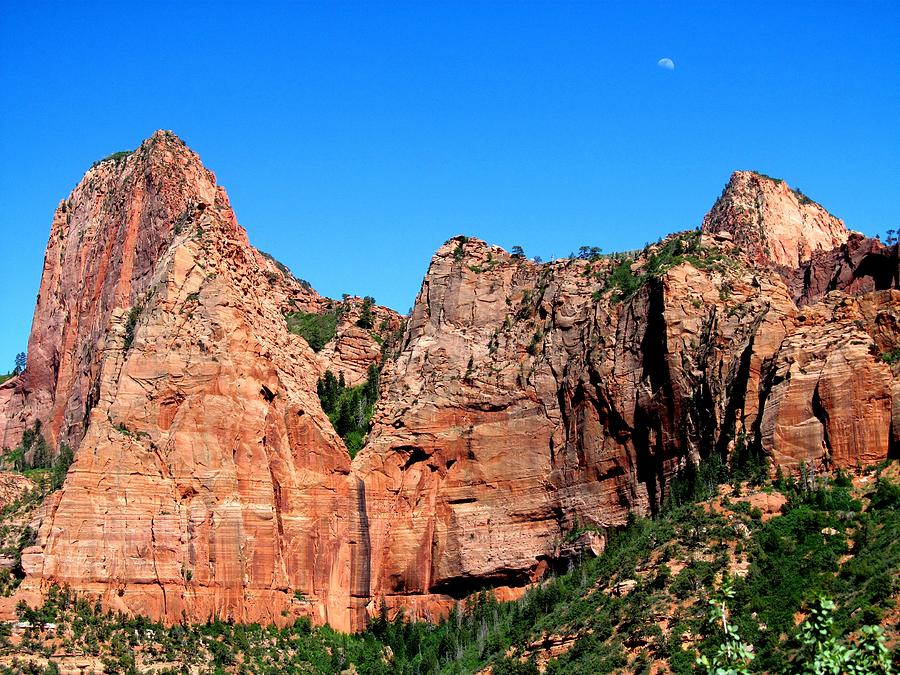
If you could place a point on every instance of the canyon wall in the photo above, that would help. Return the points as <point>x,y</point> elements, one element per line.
<point>525,403</point>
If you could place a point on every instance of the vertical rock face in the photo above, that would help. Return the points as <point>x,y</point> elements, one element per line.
<point>354,348</point>
<point>829,395</point>
<point>531,400</point>
<point>208,481</point>
<point>105,241</point>
<point>772,223</point>
<point>525,401</point>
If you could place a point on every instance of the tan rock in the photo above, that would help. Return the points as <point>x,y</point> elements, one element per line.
<point>524,402</point>
<point>771,222</point>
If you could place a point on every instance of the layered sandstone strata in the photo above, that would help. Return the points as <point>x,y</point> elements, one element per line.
<point>524,401</point>
<point>207,480</point>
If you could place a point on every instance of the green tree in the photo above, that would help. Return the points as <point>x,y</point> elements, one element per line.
<point>824,654</point>
<point>733,656</point>
<point>366,318</point>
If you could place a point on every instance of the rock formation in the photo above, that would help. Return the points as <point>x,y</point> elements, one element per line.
<point>524,404</point>
<point>206,479</point>
<point>773,223</point>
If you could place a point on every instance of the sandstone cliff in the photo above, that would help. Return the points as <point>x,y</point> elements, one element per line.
<point>206,479</point>
<point>772,223</point>
<point>523,403</point>
<point>528,403</point>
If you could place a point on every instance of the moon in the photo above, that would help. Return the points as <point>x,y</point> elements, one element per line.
<point>666,63</point>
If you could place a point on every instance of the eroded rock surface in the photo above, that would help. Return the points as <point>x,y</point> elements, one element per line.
<point>525,402</point>
<point>208,481</point>
<point>772,223</point>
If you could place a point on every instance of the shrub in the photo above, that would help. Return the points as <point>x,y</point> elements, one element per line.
<point>131,325</point>
<point>317,329</point>
<point>891,357</point>
<point>115,157</point>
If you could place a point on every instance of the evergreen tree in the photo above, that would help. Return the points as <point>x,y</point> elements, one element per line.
<point>20,363</point>
<point>366,318</point>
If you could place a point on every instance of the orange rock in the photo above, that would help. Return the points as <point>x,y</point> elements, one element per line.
<point>525,403</point>
<point>772,223</point>
<point>13,486</point>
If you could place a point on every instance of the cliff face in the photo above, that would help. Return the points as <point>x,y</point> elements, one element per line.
<point>104,244</point>
<point>771,223</point>
<point>208,480</point>
<point>524,401</point>
<point>528,403</point>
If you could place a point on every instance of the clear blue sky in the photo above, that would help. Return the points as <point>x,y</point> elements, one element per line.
<point>355,138</point>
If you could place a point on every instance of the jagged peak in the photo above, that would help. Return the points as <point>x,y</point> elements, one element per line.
<point>773,222</point>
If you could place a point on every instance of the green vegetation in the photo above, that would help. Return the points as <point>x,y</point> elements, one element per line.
<point>802,198</point>
<point>612,606</point>
<point>890,237</point>
<point>35,459</point>
<point>680,248</point>
<point>392,341</point>
<point>709,585</point>
<point>891,357</point>
<point>702,588</point>
<point>535,343</point>
<point>350,409</point>
<point>131,325</point>
<point>116,157</point>
<point>777,181</point>
<point>317,329</point>
<point>366,317</point>
<point>591,253</point>
<point>460,252</point>
<point>18,369</point>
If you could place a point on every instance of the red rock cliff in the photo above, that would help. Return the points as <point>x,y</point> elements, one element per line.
<point>773,223</point>
<point>207,480</point>
<point>524,400</point>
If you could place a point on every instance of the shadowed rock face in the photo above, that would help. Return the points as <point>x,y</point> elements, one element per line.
<point>524,401</point>
<point>858,266</point>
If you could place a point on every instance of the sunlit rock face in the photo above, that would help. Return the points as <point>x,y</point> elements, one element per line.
<point>772,223</point>
<point>207,479</point>
<point>524,401</point>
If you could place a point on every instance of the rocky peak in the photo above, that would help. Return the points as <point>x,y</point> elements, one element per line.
<point>106,240</point>
<point>524,402</point>
<point>772,222</point>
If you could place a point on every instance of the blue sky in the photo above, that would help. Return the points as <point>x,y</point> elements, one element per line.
<point>354,138</point>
